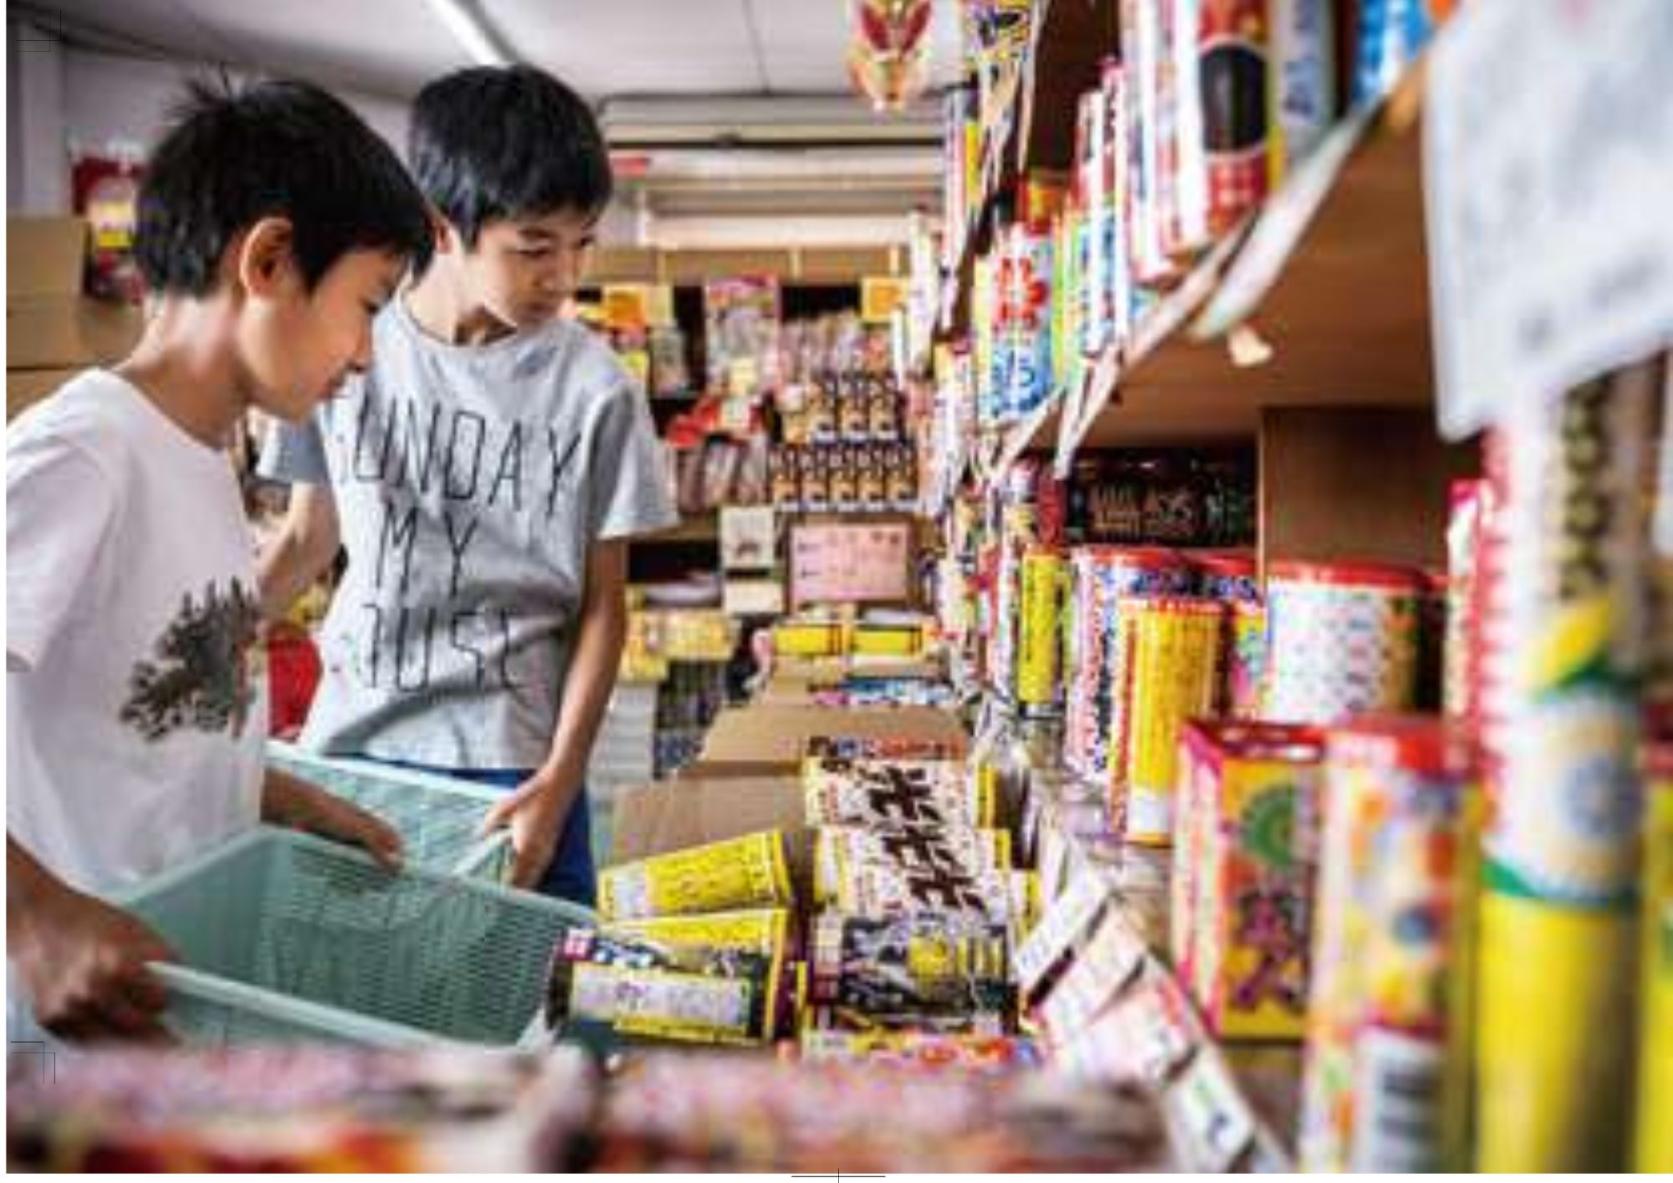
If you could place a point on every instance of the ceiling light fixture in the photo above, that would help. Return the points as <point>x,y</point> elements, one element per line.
<point>470,28</point>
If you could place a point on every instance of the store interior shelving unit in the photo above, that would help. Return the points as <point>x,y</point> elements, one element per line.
<point>814,280</point>
<point>1305,332</point>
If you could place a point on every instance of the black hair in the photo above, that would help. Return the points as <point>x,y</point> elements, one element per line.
<point>490,143</point>
<point>271,149</point>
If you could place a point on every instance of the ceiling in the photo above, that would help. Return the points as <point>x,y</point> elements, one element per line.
<point>603,48</point>
<point>727,108</point>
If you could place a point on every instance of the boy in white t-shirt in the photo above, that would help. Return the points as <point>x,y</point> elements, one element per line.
<point>273,224</point>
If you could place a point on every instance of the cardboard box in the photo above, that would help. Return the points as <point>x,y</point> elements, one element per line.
<point>57,332</point>
<point>44,256</point>
<point>673,815</point>
<point>52,330</point>
<point>770,734</point>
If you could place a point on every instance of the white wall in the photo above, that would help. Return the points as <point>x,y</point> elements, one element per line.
<point>111,98</point>
<point>62,100</point>
<point>37,163</point>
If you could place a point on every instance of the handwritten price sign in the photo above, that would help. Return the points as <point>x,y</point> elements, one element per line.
<point>851,563</point>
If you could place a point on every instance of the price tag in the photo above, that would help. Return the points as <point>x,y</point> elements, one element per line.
<point>1107,962</point>
<point>1211,1114</point>
<point>1549,176</point>
<point>1066,917</point>
<point>1160,1024</point>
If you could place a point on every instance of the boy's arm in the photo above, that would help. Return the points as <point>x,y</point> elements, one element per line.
<point>83,961</point>
<point>537,810</point>
<point>294,803</point>
<point>303,550</point>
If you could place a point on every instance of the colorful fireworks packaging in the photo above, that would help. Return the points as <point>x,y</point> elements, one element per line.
<point>739,873</point>
<point>1342,639</point>
<point>654,989</point>
<point>1099,578</point>
<point>1566,680</point>
<point>924,967</point>
<point>1384,1087</point>
<point>1239,921</point>
<point>1175,677</point>
<point>895,793</point>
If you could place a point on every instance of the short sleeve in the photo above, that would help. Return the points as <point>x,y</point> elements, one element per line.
<point>60,508</point>
<point>295,454</point>
<point>631,489</point>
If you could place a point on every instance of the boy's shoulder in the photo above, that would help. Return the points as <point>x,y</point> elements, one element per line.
<point>92,413</point>
<point>587,363</point>
<point>574,366</point>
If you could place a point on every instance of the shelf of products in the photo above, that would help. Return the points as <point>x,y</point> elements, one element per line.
<point>1266,302</point>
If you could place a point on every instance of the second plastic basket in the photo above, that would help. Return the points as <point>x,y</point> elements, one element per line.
<point>437,816</point>
<point>288,936</point>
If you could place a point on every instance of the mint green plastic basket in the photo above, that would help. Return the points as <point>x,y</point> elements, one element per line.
<point>437,817</point>
<point>284,936</point>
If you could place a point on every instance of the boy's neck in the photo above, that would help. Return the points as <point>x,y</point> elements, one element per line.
<point>443,310</point>
<point>185,365</point>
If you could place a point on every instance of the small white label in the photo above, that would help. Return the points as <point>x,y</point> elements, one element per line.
<point>1212,1115</point>
<point>1064,921</point>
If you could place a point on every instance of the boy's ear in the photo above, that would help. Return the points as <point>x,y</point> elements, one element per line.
<point>264,261</point>
<point>446,238</point>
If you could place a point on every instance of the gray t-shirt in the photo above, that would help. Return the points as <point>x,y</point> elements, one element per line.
<point>469,482</point>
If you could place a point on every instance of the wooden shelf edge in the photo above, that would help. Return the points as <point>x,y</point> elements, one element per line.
<point>1178,379</point>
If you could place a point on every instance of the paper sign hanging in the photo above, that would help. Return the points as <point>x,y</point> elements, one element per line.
<point>1548,177</point>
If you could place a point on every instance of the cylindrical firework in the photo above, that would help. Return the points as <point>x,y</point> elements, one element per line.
<point>1463,542</point>
<point>1653,1141</point>
<point>1231,576</point>
<point>1342,639</point>
<point>1245,661</point>
<point>1234,45</point>
<point>1175,677</point>
<point>1111,242</point>
<point>1030,310</point>
<point>1039,641</point>
<point>1301,80</point>
<point>1092,177</point>
<point>1389,927</point>
<point>1142,54</point>
<point>1558,929</point>
<point>1099,577</point>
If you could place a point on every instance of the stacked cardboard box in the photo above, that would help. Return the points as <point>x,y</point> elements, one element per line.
<point>53,331</point>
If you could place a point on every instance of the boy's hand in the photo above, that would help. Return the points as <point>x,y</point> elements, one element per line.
<point>534,812</point>
<point>84,963</point>
<point>301,806</point>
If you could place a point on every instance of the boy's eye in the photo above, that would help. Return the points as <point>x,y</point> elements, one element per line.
<point>534,252</point>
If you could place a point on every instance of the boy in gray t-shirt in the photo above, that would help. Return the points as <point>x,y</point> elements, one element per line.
<point>483,477</point>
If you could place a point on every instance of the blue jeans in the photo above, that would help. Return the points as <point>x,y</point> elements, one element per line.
<point>570,876</point>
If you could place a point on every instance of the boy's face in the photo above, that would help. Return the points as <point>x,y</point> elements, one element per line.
<point>522,270</point>
<point>299,346</point>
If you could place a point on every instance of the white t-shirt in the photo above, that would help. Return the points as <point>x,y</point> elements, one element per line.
<point>136,707</point>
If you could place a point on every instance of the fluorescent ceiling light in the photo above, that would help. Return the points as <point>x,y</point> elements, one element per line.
<point>464,19</point>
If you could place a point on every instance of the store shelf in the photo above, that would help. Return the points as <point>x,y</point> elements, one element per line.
<point>1322,302</point>
<point>813,265</point>
<point>697,528</point>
